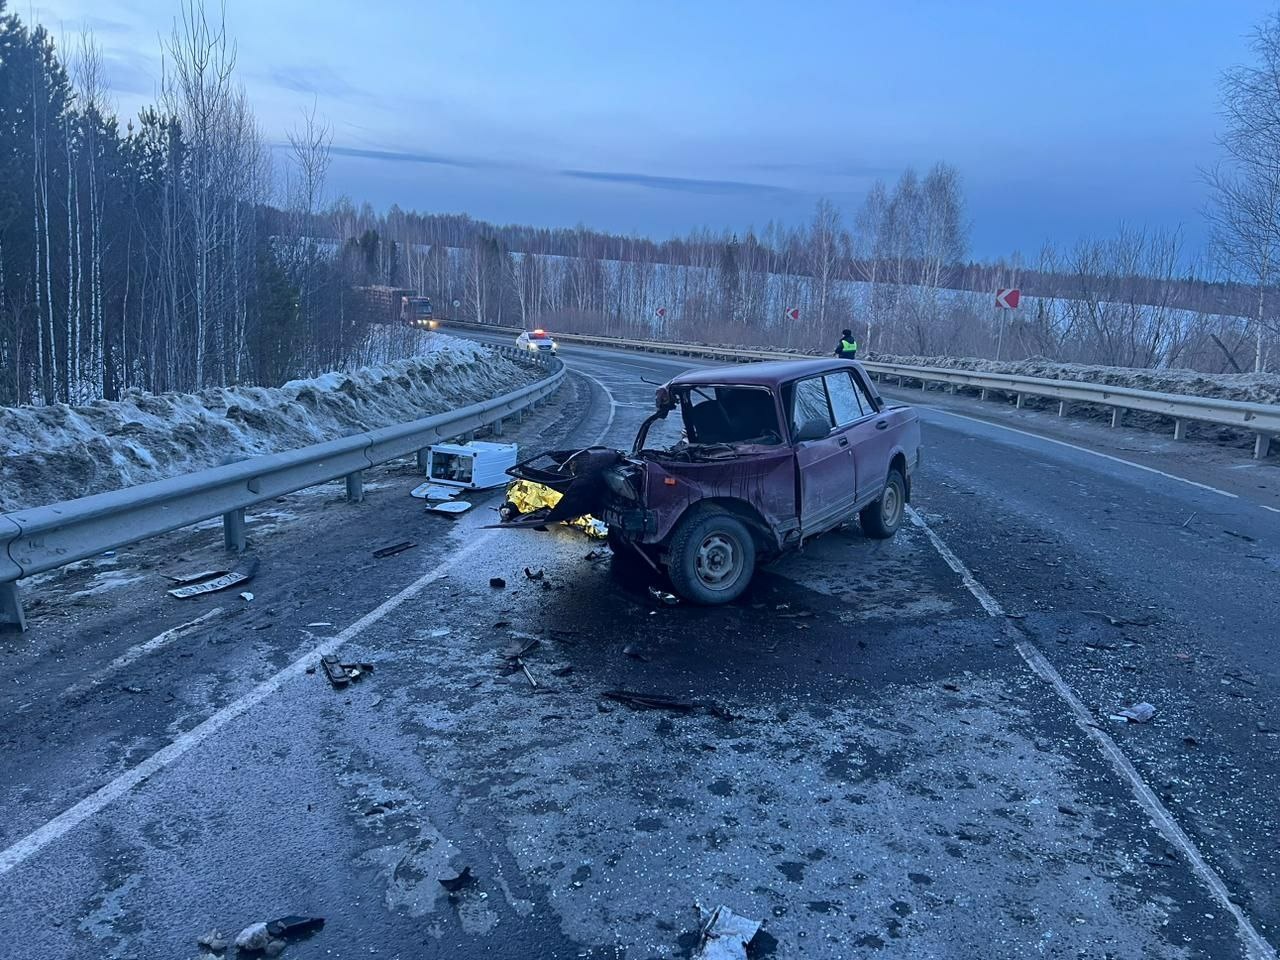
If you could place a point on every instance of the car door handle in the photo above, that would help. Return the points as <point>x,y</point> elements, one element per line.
<point>881,424</point>
<point>844,441</point>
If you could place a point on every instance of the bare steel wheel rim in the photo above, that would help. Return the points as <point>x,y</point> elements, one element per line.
<point>718,561</point>
<point>890,505</point>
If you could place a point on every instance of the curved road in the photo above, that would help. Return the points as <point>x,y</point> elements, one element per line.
<point>913,756</point>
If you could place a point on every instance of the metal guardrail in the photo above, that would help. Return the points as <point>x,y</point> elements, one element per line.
<point>45,538</point>
<point>1262,419</point>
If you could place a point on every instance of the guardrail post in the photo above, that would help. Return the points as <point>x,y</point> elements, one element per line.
<point>1018,402</point>
<point>424,460</point>
<point>1117,416</point>
<point>924,385</point>
<point>1062,408</point>
<point>1261,446</point>
<point>11,606</point>
<point>497,427</point>
<point>983,395</point>
<point>355,487</point>
<point>233,530</point>
<point>1179,429</point>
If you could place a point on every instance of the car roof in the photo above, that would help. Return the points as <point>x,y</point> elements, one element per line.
<point>768,373</point>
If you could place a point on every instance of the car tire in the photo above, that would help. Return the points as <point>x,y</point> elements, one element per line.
<point>882,518</point>
<point>712,558</point>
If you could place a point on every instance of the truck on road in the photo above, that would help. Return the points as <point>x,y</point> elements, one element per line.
<point>397,305</point>
<point>771,454</point>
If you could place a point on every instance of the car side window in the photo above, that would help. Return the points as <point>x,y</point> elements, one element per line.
<point>846,403</point>
<point>868,406</point>
<point>809,403</point>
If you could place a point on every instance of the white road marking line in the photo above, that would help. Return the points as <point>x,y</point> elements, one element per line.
<point>613,406</point>
<point>1064,443</point>
<point>71,818</point>
<point>1256,946</point>
<point>139,651</point>
<point>989,603</point>
<point>1272,509</point>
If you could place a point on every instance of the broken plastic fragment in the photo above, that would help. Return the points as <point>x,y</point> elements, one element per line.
<point>450,506</point>
<point>497,583</point>
<point>393,549</point>
<point>433,491</point>
<point>294,926</point>
<point>670,599</point>
<point>1138,713</point>
<point>725,934</point>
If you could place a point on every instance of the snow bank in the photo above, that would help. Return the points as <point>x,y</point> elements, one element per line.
<point>60,452</point>
<point>1249,387</point>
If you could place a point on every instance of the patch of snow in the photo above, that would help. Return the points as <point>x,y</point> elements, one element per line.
<point>107,581</point>
<point>61,452</point>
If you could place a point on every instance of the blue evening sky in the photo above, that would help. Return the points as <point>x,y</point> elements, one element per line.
<point>1064,118</point>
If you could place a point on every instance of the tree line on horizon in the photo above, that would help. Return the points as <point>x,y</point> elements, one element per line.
<point>179,252</point>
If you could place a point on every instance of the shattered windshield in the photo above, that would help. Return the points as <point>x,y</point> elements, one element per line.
<point>730,415</point>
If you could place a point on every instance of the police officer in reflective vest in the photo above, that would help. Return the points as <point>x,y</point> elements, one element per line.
<point>848,347</point>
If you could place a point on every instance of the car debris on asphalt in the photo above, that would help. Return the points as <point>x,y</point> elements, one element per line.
<point>670,599</point>
<point>242,573</point>
<point>657,701</point>
<point>514,651</point>
<point>1138,713</point>
<point>246,596</point>
<point>527,675</point>
<point>599,554</point>
<point>452,507</point>
<point>1122,621</point>
<point>433,491</point>
<point>214,940</point>
<point>535,575</point>
<point>185,578</point>
<point>458,881</point>
<point>497,583</point>
<point>724,935</point>
<point>390,551</point>
<point>267,937</point>
<point>340,674</point>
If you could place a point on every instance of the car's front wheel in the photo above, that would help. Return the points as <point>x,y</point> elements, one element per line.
<point>712,558</point>
<point>882,518</point>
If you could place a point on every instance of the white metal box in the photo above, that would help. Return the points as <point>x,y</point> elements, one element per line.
<point>476,465</point>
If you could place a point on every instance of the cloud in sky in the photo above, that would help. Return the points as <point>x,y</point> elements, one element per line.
<point>678,184</point>
<point>319,79</point>
<point>625,117</point>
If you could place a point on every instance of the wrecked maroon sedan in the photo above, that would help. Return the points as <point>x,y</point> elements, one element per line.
<point>771,454</point>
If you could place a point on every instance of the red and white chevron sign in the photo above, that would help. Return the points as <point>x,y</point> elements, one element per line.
<point>1008,299</point>
<point>793,313</point>
<point>660,313</point>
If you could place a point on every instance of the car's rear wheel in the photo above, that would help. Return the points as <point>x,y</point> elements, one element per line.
<point>712,558</point>
<point>882,518</point>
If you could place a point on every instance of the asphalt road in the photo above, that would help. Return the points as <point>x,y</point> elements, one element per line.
<point>911,754</point>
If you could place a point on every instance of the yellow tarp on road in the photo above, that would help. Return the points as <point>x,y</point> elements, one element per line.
<point>529,496</point>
